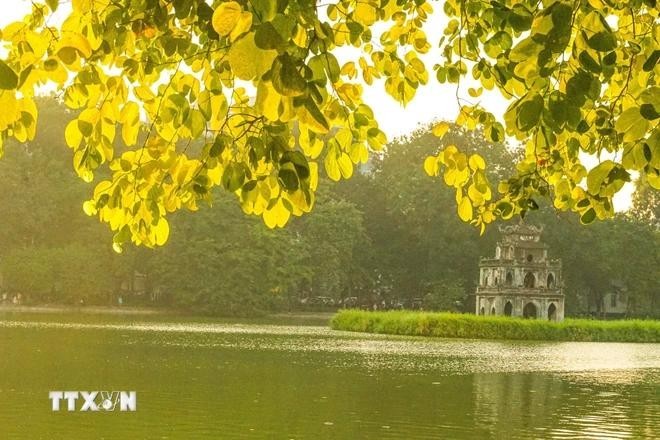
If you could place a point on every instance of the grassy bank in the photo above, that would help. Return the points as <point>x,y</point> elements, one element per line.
<point>451,325</point>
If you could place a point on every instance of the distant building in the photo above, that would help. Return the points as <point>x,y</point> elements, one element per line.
<point>613,303</point>
<point>521,280</point>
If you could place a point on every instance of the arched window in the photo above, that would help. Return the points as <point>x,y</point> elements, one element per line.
<point>551,281</point>
<point>529,311</point>
<point>552,312</point>
<point>508,308</point>
<point>530,258</point>
<point>497,281</point>
<point>530,280</point>
<point>482,311</point>
<point>492,311</point>
<point>509,278</point>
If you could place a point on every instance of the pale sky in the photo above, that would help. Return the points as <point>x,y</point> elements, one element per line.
<point>434,101</point>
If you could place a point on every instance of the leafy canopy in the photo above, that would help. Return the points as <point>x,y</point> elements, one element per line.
<point>250,95</point>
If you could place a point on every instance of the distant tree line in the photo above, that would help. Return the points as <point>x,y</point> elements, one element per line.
<point>389,237</point>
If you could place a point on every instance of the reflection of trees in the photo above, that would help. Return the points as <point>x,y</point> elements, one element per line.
<point>508,403</point>
<point>524,405</point>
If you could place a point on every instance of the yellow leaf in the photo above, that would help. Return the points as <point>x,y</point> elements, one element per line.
<point>268,101</point>
<point>278,215</point>
<point>349,70</point>
<point>225,17</point>
<point>365,13</point>
<point>130,118</point>
<point>247,61</point>
<point>654,180</point>
<point>72,134</point>
<point>85,6</point>
<point>300,38</point>
<point>161,232</point>
<point>76,41</point>
<point>475,93</point>
<point>431,166</point>
<point>144,93</point>
<point>465,209</point>
<point>332,167</point>
<point>89,207</point>
<point>477,162</point>
<point>345,166</point>
<point>242,26</point>
<point>440,129</point>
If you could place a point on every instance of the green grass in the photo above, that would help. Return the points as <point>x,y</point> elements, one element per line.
<point>454,325</point>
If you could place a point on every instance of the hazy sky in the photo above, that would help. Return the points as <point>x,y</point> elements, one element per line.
<point>433,101</point>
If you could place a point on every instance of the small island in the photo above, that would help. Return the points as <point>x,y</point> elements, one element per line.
<point>519,296</point>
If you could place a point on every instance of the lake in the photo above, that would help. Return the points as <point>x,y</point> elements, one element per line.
<point>286,378</point>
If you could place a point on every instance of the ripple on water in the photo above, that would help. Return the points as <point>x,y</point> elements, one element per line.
<point>280,381</point>
<point>373,351</point>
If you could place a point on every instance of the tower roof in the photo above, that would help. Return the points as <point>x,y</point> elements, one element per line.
<point>521,233</point>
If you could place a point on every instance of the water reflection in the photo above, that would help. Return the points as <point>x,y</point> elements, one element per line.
<point>215,380</point>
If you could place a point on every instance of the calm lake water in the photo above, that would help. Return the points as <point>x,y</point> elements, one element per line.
<point>199,379</point>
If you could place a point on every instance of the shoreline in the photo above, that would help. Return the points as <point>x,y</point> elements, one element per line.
<point>455,325</point>
<point>320,317</point>
<point>114,310</point>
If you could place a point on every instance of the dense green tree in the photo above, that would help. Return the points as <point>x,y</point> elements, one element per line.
<point>421,249</point>
<point>388,234</point>
<point>645,203</point>
<point>419,243</point>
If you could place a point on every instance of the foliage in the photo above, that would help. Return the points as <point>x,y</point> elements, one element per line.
<point>420,249</point>
<point>258,84</point>
<point>581,78</point>
<point>388,233</point>
<point>451,325</point>
<point>68,274</point>
<point>646,203</point>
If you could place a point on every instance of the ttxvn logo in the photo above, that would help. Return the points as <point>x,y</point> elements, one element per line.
<point>94,400</point>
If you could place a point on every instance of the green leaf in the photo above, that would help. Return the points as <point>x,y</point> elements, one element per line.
<point>589,63</point>
<point>588,217</point>
<point>264,9</point>
<point>525,51</point>
<point>529,113</point>
<point>233,177</point>
<point>603,41</point>
<point>648,112</point>
<point>288,178</point>
<point>8,78</point>
<point>631,124</point>
<point>506,210</point>
<point>315,64</point>
<point>287,80</point>
<point>598,175</point>
<point>316,115</point>
<point>266,37</point>
<point>520,18</point>
<point>331,66</point>
<point>651,61</point>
